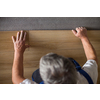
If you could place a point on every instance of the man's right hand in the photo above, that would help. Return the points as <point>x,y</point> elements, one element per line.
<point>19,42</point>
<point>80,32</point>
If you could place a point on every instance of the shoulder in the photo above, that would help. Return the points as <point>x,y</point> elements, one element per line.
<point>28,81</point>
<point>91,68</point>
<point>91,65</point>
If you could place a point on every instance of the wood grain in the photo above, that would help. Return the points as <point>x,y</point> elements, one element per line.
<point>41,42</point>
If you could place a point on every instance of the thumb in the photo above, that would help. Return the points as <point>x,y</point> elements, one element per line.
<point>27,46</point>
<point>74,32</point>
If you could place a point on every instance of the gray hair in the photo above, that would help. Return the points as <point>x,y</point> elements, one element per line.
<point>55,69</point>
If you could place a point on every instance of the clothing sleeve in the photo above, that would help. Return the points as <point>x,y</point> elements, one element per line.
<point>91,68</point>
<point>27,81</point>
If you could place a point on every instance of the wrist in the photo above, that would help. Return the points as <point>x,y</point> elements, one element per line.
<point>84,38</point>
<point>18,53</point>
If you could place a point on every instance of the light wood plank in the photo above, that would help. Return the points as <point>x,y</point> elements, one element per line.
<point>41,42</point>
<point>6,43</point>
<point>36,54</point>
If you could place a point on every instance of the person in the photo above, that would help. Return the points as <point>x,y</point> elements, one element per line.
<point>56,69</point>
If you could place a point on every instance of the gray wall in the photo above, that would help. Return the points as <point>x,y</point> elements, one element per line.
<point>48,23</point>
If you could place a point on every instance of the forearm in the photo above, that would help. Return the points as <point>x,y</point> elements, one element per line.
<point>89,50</point>
<point>19,47</point>
<point>17,69</point>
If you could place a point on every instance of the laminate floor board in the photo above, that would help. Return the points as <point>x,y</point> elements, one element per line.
<point>41,42</point>
<point>6,43</point>
<point>35,55</point>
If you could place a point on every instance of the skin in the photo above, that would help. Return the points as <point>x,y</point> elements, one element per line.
<point>19,47</point>
<point>90,53</point>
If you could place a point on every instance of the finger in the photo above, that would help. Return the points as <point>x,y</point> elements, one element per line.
<point>24,36</point>
<point>21,35</point>
<point>27,46</point>
<point>13,39</point>
<point>74,32</point>
<point>84,27</point>
<point>77,28</point>
<point>18,35</point>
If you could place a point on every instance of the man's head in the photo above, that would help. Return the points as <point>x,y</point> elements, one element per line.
<point>55,69</point>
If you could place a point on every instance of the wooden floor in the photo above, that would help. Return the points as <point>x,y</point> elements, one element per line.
<point>62,42</point>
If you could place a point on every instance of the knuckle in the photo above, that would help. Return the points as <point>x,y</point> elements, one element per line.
<point>76,27</point>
